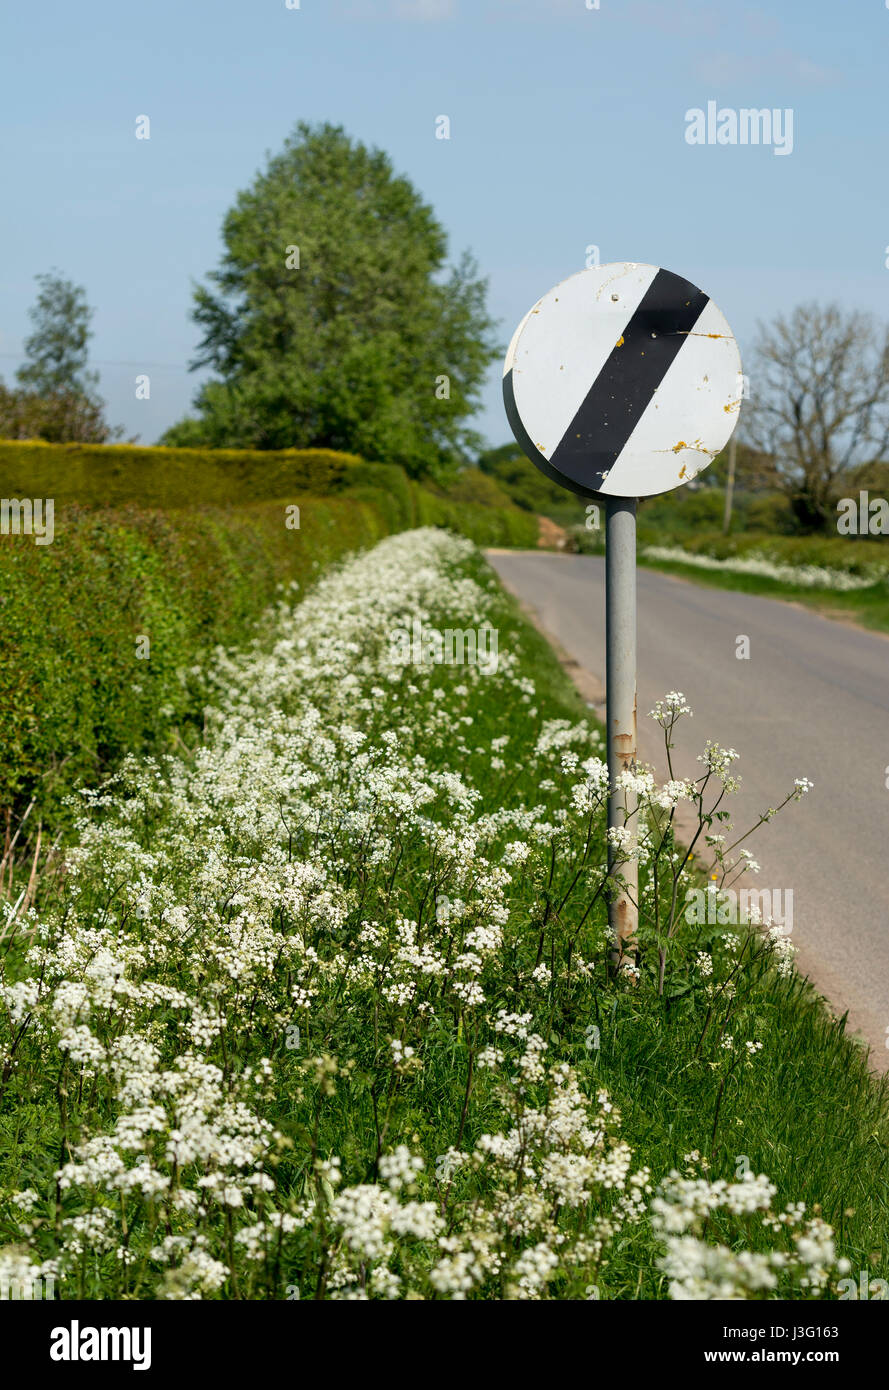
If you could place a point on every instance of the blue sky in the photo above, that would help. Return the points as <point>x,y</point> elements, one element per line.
<point>567,130</point>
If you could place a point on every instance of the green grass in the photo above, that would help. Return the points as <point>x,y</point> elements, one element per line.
<point>808,1113</point>
<point>868,607</point>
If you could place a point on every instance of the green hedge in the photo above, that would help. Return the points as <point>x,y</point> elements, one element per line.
<point>74,695</point>
<point>501,526</point>
<point>90,476</point>
<point>858,555</point>
<point>186,547</point>
<point>114,475</point>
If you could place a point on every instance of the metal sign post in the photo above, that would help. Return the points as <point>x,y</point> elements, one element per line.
<point>620,702</point>
<point>623,382</point>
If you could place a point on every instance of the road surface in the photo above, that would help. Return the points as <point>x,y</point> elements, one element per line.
<point>812,700</point>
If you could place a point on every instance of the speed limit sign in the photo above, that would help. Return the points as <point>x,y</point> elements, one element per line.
<point>623,381</point>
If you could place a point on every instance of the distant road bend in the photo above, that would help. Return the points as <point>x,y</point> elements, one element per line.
<point>811,701</point>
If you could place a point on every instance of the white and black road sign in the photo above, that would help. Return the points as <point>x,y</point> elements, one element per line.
<point>623,381</point>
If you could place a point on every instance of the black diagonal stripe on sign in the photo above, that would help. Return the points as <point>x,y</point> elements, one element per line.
<point>614,403</point>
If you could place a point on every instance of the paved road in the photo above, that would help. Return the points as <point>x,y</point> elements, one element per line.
<point>811,701</point>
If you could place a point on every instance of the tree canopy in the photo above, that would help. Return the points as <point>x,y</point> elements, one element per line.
<point>333,320</point>
<point>57,397</point>
<point>56,351</point>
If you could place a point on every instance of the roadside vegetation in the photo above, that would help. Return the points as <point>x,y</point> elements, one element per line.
<point>321,1005</point>
<point>834,575</point>
<point>837,575</point>
<point>763,550</point>
<point>760,571</point>
<point>156,557</point>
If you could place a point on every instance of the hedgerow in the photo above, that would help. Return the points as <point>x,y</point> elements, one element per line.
<point>77,690</point>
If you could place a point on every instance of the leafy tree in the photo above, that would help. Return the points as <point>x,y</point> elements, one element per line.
<point>57,349</point>
<point>57,398</point>
<point>819,403</point>
<point>332,320</point>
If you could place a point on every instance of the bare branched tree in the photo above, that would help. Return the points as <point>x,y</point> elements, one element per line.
<point>819,403</point>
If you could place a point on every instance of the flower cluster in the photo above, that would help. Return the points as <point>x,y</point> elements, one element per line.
<point>701,1269</point>
<point>766,566</point>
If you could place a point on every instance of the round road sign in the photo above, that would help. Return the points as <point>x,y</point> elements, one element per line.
<point>623,381</point>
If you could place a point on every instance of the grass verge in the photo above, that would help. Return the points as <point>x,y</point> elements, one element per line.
<point>322,1004</point>
<point>868,607</point>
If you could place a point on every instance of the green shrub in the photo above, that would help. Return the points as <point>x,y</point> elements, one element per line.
<point>770,512</point>
<point>90,476</point>
<point>384,484</point>
<point>472,485</point>
<point>498,526</point>
<point>585,540</point>
<point>683,510</point>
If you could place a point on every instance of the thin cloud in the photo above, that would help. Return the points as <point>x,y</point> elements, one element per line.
<point>678,18</point>
<point>537,9</point>
<point>783,66</point>
<point>416,11</point>
<point>426,11</point>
